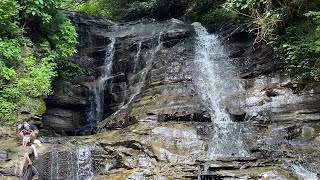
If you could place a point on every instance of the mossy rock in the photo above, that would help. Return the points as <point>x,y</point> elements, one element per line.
<point>9,144</point>
<point>33,106</point>
<point>64,88</point>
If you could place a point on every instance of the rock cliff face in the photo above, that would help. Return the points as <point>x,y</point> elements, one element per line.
<point>150,77</point>
<point>154,123</point>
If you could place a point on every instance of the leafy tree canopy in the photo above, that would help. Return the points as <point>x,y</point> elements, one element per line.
<point>33,36</point>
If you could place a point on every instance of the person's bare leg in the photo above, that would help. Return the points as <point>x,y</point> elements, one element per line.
<point>21,135</point>
<point>22,140</point>
<point>33,136</point>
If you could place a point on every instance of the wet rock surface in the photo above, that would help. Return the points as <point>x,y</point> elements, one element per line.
<point>155,125</point>
<point>171,150</point>
<point>150,77</point>
<point>150,84</point>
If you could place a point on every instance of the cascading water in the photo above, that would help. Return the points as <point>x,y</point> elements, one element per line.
<point>84,163</point>
<point>137,80</point>
<point>54,168</point>
<point>214,81</point>
<point>137,56</point>
<point>143,73</point>
<point>95,114</point>
<point>67,164</point>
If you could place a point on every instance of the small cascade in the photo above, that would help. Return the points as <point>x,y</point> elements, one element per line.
<point>67,164</point>
<point>84,163</point>
<point>137,56</point>
<point>213,78</point>
<point>54,165</point>
<point>95,114</point>
<point>142,75</point>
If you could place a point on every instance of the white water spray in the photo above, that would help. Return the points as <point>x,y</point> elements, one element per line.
<point>69,164</point>
<point>142,75</point>
<point>97,105</point>
<point>214,81</point>
<point>84,164</point>
<point>137,56</point>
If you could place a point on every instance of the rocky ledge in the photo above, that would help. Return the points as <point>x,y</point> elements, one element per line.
<point>151,78</point>
<point>154,124</point>
<point>171,150</point>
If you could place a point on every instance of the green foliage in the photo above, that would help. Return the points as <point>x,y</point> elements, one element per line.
<point>9,10</point>
<point>208,11</point>
<point>37,8</point>
<point>243,5</point>
<point>33,37</point>
<point>35,106</point>
<point>299,47</point>
<point>35,79</point>
<point>214,16</point>
<point>63,90</point>
<point>264,17</point>
<point>119,9</point>
<point>62,35</point>
<point>7,112</point>
<point>95,10</point>
<point>68,70</point>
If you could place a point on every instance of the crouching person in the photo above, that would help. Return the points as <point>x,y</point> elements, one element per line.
<point>27,133</point>
<point>34,130</point>
<point>29,172</point>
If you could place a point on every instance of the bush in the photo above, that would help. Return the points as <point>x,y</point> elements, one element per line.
<point>68,70</point>
<point>299,47</point>
<point>110,9</point>
<point>214,16</point>
<point>33,36</point>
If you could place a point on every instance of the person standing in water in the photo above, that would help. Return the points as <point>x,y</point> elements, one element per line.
<point>29,172</point>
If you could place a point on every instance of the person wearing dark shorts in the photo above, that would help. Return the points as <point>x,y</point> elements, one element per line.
<point>29,172</point>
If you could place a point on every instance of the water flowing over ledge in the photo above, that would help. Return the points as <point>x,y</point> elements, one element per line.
<point>214,81</point>
<point>96,111</point>
<point>176,127</point>
<point>66,163</point>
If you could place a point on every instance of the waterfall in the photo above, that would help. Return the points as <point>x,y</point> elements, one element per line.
<point>54,169</point>
<point>142,75</point>
<point>84,163</point>
<point>95,114</point>
<point>214,80</point>
<point>137,56</point>
<point>67,164</point>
